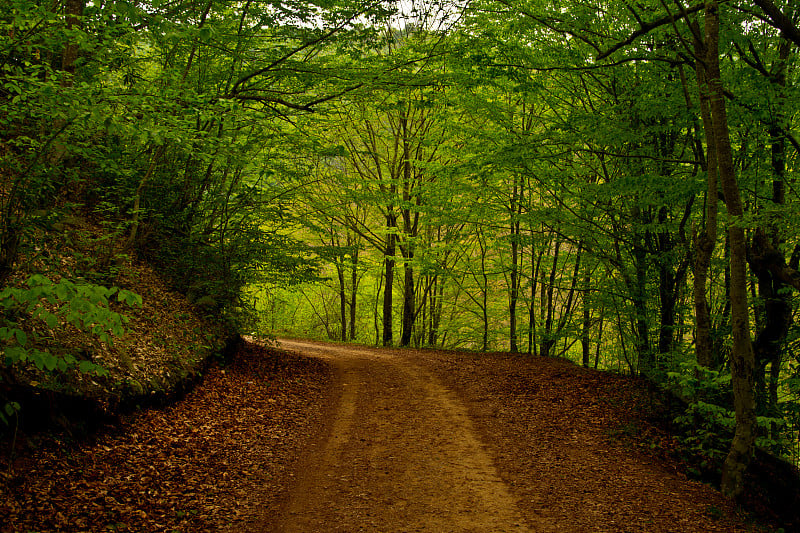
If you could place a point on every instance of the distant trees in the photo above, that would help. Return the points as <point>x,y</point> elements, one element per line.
<point>620,174</point>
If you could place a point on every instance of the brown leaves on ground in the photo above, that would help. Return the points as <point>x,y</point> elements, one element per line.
<point>577,445</point>
<point>572,444</point>
<point>196,466</point>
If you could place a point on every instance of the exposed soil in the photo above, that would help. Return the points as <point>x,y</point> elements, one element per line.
<point>365,439</point>
<point>434,441</point>
<point>402,455</point>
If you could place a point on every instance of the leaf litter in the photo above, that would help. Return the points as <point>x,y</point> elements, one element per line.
<point>197,465</point>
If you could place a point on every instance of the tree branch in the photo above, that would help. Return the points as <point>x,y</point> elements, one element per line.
<point>777,19</point>
<point>647,27</point>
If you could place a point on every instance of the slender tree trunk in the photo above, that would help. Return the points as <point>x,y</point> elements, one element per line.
<point>548,338</point>
<point>375,314</point>
<point>641,324</point>
<point>353,292</point>
<point>599,338</point>
<point>587,322</point>
<point>436,302</point>
<point>389,261</point>
<point>536,263</point>
<point>408,301</point>
<point>516,207</point>
<point>129,244</point>
<point>742,358</point>
<point>705,240</point>
<point>668,297</point>
<point>485,295</point>
<point>342,299</point>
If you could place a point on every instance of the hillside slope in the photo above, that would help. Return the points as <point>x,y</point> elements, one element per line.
<point>83,277</point>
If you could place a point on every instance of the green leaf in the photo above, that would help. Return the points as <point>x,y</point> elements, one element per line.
<point>49,361</point>
<point>15,354</point>
<point>61,292</point>
<point>11,408</point>
<point>22,337</point>
<point>87,366</point>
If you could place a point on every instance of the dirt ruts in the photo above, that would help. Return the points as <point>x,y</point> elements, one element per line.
<point>320,437</point>
<point>401,455</point>
<point>435,441</point>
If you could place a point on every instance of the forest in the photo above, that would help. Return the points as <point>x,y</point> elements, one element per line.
<point>611,182</point>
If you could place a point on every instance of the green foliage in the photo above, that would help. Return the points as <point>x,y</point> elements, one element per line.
<point>10,410</point>
<point>707,426</point>
<point>708,422</point>
<point>84,306</point>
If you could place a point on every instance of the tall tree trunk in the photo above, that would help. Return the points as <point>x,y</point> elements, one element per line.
<point>484,294</point>
<point>515,209</point>
<point>137,198</point>
<point>742,358</point>
<point>587,321</point>
<point>389,261</point>
<point>641,323</point>
<point>436,298</point>
<point>513,294</point>
<point>342,299</point>
<point>765,260</point>
<point>548,338</point>
<point>73,10</point>
<point>535,264</point>
<point>408,300</point>
<point>668,297</point>
<point>353,291</point>
<point>705,240</point>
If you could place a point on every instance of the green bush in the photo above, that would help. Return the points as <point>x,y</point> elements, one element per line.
<point>709,421</point>
<point>57,305</point>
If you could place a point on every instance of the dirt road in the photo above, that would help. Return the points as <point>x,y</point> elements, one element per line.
<point>375,440</point>
<point>401,455</point>
<point>444,442</point>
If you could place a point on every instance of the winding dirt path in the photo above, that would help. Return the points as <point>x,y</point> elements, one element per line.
<point>355,439</point>
<point>401,455</point>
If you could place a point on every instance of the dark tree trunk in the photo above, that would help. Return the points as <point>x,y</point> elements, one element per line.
<point>353,293</point>
<point>548,338</point>
<point>408,301</point>
<point>668,297</point>
<point>388,277</point>
<point>342,300</point>
<point>436,305</point>
<point>705,240</point>
<point>742,356</point>
<point>535,264</point>
<point>641,324</point>
<point>516,210</point>
<point>587,322</point>
<point>765,262</point>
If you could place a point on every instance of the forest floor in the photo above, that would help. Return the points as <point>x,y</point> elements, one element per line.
<point>323,437</point>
